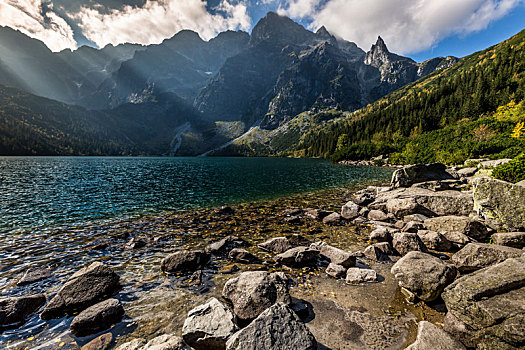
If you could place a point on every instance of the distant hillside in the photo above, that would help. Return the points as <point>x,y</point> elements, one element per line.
<point>460,100</point>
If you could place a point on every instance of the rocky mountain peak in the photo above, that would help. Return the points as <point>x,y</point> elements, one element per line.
<point>278,29</point>
<point>380,45</point>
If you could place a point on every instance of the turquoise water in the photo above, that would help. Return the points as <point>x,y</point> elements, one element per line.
<point>40,192</point>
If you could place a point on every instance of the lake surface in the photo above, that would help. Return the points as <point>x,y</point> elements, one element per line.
<point>37,192</point>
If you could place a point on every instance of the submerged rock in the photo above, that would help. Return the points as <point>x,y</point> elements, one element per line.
<point>276,328</point>
<point>432,337</point>
<point>225,245</point>
<point>485,308</point>
<point>209,326</point>
<point>97,318</point>
<point>475,256</point>
<point>33,275</point>
<point>423,275</point>
<point>185,261</point>
<point>332,219</point>
<point>276,245</point>
<point>84,288</point>
<point>253,292</point>
<point>102,342</point>
<point>242,255</point>
<point>15,310</point>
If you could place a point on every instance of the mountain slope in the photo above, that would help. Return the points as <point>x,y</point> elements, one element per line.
<point>461,94</point>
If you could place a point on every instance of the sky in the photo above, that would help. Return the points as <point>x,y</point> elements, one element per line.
<point>420,29</point>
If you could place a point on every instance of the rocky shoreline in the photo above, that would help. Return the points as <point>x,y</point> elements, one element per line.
<point>432,261</point>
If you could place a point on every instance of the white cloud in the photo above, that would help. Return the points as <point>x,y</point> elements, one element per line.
<point>28,17</point>
<point>300,8</point>
<point>408,26</point>
<point>160,19</point>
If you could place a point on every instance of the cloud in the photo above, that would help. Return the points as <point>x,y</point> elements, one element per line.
<point>160,19</point>
<point>37,20</point>
<point>299,8</point>
<point>408,26</point>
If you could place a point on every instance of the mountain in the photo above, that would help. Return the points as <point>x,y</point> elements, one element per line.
<point>467,110</point>
<point>232,86</point>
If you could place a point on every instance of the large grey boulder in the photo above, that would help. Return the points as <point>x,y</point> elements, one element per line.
<point>475,256</point>
<point>462,224</point>
<point>485,308</point>
<point>350,210</point>
<point>185,261</point>
<point>332,219</point>
<point>97,318</point>
<point>15,310</point>
<point>298,256</point>
<point>404,242</point>
<point>382,234</point>
<point>276,328</point>
<point>209,326</point>
<point>510,239</point>
<point>135,344</point>
<point>412,174</point>
<point>500,203</point>
<point>401,207</point>
<point>467,172</point>
<point>242,255</point>
<point>335,255</point>
<point>447,202</point>
<point>253,292</point>
<point>166,342</point>
<point>336,271</point>
<point>84,288</point>
<point>422,275</point>
<point>432,337</point>
<point>276,245</point>
<point>434,240</point>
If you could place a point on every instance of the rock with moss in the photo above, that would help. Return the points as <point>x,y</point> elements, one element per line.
<point>485,308</point>
<point>500,203</point>
<point>475,256</point>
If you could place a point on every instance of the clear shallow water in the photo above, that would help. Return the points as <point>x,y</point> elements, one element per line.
<point>38,192</point>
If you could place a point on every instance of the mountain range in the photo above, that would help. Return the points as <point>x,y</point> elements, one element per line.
<point>187,96</point>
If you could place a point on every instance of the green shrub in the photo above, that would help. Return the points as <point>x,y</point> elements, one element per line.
<point>513,171</point>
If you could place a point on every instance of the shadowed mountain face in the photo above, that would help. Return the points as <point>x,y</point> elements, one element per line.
<point>266,78</point>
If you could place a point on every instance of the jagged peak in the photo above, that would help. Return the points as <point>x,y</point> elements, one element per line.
<point>380,45</point>
<point>279,28</point>
<point>187,35</point>
<point>323,32</point>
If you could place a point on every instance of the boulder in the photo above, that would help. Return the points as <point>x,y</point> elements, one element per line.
<point>209,326</point>
<point>363,197</point>
<point>185,261</point>
<point>485,308</point>
<point>462,224</point>
<point>223,246</point>
<point>97,318</point>
<point>336,271</point>
<point>432,203</point>
<point>298,256</point>
<point>377,215</point>
<point>490,164</point>
<point>15,310</point>
<point>316,214</point>
<point>423,275</point>
<point>135,344</point>
<point>350,210</point>
<point>225,210</point>
<point>415,217</point>
<point>242,255</point>
<point>165,342</point>
<point>382,234</point>
<point>33,275</point>
<point>373,252</point>
<point>276,328</point>
<point>510,239</point>
<point>332,219</point>
<point>102,342</point>
<point>457,238</point>
<point>253,292</point>
<point>412,174</point>
<point>475,256</point>
<point>404,242</point>
<point>467,172</point>
<point>402,206</point>
<point>356,275</point>
<point>412,226</point>
<point>84,288</point>
<point>434,240</point>
<point>500,203</point>
<point>385,248</point>
<point>276,245</point>
<point>135,243</point>
<point>432,337</point>
<point>335,255</point>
